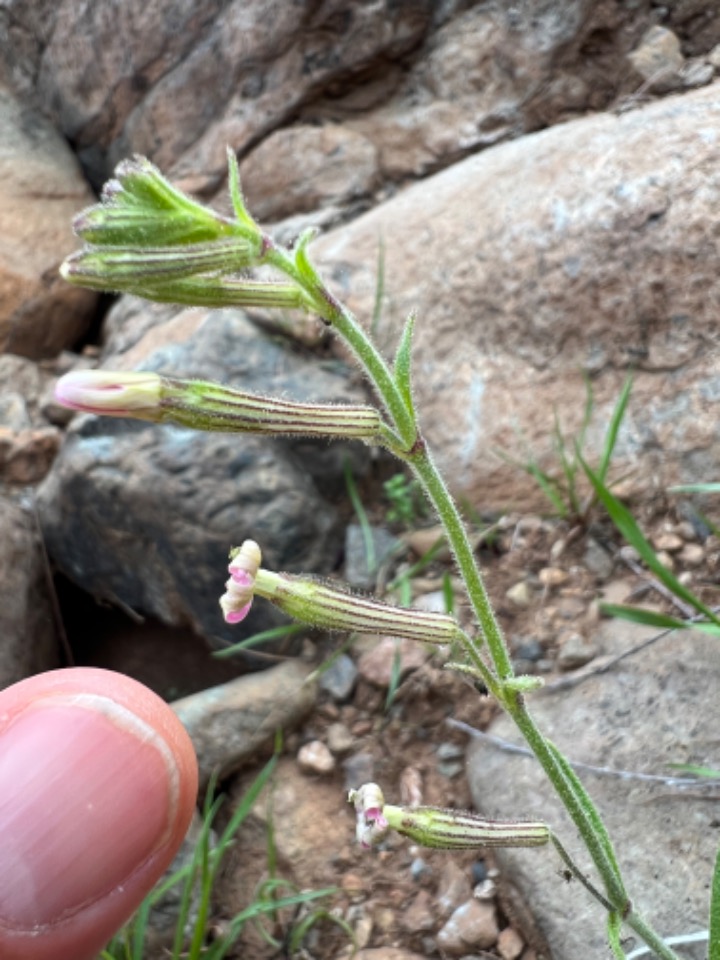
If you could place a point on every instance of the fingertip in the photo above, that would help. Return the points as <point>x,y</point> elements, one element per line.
<point>98,784</point>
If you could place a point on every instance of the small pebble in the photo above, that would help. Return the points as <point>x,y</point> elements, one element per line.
<point>686,530</point>
<point>666,559</point>
<point>473,924</point>
<point>552,576</point>
<point>363,931</point>
<point>453,889</point>
<point>314,757</point>
<point>527,649</point>
<point>487,890</point>
<point>339,679</point>
<point>419,916</point>
<point>597,559</point>
<point>510,944</point>
<point>339,738</point>
<point>692,555</point>
<point>450,751</point>
<point>419,868</point>
<point>520,594</point>
<point>576,651</point>
<point>669,542</point>
<point>629,554</point>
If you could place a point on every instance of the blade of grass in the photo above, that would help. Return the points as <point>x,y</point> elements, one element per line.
<point>379,289</point>
<point>628,528</point>
<point>274,633</point>
<point>418,566</point>
<point>448,594</point>
<point>301,929</point>
<point>714,944</point>
<point>695,488</point>
<point>614,429</point>
<point>368,540</point>
<point>661,620</point>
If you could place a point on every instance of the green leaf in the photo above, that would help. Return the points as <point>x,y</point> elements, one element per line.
<point>714,944</point>
<point>403,364</point>
<point>628,528</point>
<point>300,255</point>
<point>697,771</point>
<point>139,207</point>
<point>236,196</point>
<point>614,429</point>
<point>366,529</point>
<point>274,633</point>
<point>695,488</point>
<point>379,289</point>
<point>660,620</point>
<point>614,929</point>
<point>602,837</point>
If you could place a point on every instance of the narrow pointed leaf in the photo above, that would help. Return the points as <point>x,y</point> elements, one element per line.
<point>613,430</point>
<point>714,944</point>
<point>660,620</point>
<point>628,528</point>
<point>403,363</point>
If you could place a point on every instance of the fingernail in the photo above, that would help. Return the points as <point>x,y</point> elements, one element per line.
<point>88,792</point>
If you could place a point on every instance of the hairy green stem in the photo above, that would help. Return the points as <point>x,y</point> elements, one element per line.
<point>576,801</point>
<point>656,943</point>
<point>352,333</point>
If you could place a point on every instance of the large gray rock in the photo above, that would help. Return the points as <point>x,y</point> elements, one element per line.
<point>588,247</point>
<point>41,188</point>
<point>28,642</point>
<point>424,83</point>
<point>179,81</point>
<point>649,711</point>
<point>144,514</point>
<point>231,724</point>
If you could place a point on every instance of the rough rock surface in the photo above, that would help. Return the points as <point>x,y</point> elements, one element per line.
<point>657,708</point>
<point>41,189</point>
<point>144,514</point>
<point>230,724</point>
<point>587,247</point>
<point>425,83</point>
<point>27,627</point>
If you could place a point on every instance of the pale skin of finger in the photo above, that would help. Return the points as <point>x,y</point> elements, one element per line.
<point>98,783</point>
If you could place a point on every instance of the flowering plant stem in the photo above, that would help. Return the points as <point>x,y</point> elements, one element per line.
<point>500,676</point>
<point>139,210</point>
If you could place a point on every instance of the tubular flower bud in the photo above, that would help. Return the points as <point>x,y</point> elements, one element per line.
<point>320,606</point>
<point>139,207</point>
<point>122,394</point>
<point>131,268</point>
<point>148,238</point>
<point>202,405</point>
<point>372,827</point>
<point>438,828</point>
<point>238,598</point>
<point>330,609</point>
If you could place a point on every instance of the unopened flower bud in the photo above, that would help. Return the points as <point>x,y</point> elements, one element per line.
<point>439,828</point>
<point>129,269</point>
<point>244,565</point>
<point>123,394</point>
<point>140,207</point>
<point>331,609</point>
<point>202,405</point>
